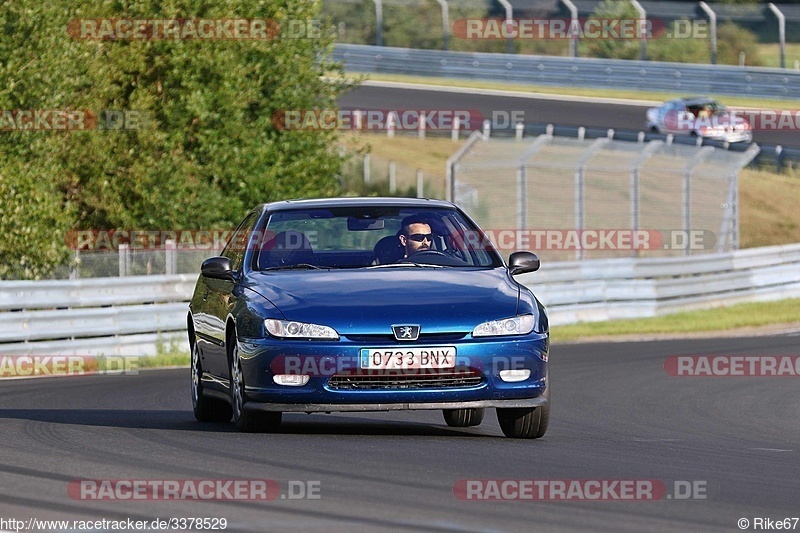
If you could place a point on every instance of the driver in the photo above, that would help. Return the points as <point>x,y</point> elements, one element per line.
<point>415,235</point>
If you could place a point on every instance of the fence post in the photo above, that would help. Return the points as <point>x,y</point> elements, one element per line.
<point>508,22</point>
<point>74,272</point>
<point>522,198</point>
<point>781,31</point>
<point>651,148</point>
<point>445,23</point>
<point>580,187</point>
<point>392,177</point>
<point>170,257</point>
<point>574,26</point>
<point>420,184</point>
<point>712,18</point>
<point>520,127</point>
<point>366,168</point>
<point>378,22</point>
<point>456,127</point>
<point>487,129</point>
<point>642,26</point>
<point>124,256</point>
<point>702,154</point>
<point>422,125</point>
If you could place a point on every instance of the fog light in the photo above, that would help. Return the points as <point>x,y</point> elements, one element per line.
<point>290,380</point>
<point>512,376</point>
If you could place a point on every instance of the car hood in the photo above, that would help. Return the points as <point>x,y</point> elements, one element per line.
<point>371,300</point>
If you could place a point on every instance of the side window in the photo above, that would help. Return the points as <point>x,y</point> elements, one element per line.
<point>237,246</point>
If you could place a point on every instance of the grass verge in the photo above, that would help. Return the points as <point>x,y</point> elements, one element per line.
<point>770,53</point>
<point>724,319</point>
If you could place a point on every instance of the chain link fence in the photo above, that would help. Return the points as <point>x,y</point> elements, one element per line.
<point>572,199</point>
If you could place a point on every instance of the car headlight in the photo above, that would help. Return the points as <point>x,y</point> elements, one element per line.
<point>299,330</point>
<point>518,325</point>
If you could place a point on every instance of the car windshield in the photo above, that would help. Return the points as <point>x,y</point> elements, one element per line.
<point>706,108</point>
<point>372,237</point>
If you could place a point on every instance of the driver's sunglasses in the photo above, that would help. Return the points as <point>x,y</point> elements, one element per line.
<point>419,237</point>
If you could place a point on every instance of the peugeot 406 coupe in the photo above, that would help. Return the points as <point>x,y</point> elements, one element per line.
<point>367,304</point>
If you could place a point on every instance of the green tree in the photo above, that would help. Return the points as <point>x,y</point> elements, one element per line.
<point>211,149</point>
<point>613,48</point>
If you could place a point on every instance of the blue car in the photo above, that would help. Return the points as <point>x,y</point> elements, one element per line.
<point>367,304</point>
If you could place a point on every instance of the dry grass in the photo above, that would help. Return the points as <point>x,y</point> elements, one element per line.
<point>771,54</point>
<point>769,208</point>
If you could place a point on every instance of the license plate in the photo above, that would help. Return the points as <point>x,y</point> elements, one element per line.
<point>408,358</point>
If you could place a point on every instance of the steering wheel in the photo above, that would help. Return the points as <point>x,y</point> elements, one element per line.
<point>433,257</point>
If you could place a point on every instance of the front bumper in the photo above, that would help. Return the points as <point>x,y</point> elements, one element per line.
<point>730,136</point>
<point>262,359</point>
<point>419,406</point>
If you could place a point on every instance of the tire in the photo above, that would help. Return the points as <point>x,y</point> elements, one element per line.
<point>247,421</point>
<point>205,409</point>
<point>462,418</point>
<point>526,422</point>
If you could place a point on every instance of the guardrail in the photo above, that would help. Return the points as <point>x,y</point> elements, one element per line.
<point>129,316</point>
<point>99,316</point>
<point>609,289</point>
<point>574,72</point>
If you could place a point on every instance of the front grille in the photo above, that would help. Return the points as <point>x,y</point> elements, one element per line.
<point>400,380</point>
<point>423,337</point>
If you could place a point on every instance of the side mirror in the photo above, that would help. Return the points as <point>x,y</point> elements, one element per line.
<point>521,262</point>
<point>217,268</point>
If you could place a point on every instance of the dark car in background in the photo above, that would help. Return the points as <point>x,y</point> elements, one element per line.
<point>317,306</point>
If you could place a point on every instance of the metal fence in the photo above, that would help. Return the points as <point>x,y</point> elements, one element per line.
<point>131,316</point>
<point>429,24</point>
<point>674,199</point>
<point>770,83</point>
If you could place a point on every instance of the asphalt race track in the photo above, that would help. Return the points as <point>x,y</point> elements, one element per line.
<point>536,110</point>
<point>617,415</point>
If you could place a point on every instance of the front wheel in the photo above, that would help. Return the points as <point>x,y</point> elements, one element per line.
<point>526,422</point>
<point>247,421</point>
<point>462,418</point>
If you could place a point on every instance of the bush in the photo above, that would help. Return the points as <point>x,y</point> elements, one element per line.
<point>679,50</point>
<point>612,48</point>
<point>732,40</point>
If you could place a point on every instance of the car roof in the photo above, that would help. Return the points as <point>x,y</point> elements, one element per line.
<point>697,99</point>
<point>356,202</point>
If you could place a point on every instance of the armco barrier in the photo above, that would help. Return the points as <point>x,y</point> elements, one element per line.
<point>128,316</point>
<point>574,72</point>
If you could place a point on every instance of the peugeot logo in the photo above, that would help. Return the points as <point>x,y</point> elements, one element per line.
<point>406,332</point>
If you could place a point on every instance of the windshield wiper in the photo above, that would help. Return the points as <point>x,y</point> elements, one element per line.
<point>409,264</point>
<point>298,266</point>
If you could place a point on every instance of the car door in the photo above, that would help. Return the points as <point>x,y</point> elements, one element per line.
<point>219,298</point>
